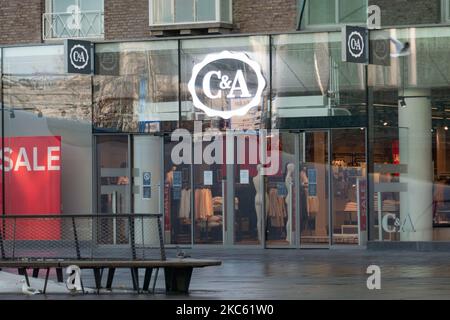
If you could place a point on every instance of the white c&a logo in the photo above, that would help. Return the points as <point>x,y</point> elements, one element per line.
<point>356,44</point>
<point>79,57</point>
<point>225,78</point>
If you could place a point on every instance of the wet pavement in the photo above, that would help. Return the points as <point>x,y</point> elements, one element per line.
<point>295,274</point>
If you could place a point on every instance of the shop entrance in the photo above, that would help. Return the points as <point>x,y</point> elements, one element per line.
<point>315,200</point>
<point>129,180</point>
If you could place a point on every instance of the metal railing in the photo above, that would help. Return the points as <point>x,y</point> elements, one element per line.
<point>68,25</point>
<point>100,236</point>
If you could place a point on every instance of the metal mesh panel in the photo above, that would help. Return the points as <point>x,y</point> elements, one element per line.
<point>134,237</point>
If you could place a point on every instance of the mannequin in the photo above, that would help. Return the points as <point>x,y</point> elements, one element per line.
<point>289,181</point>
<point>258,199</point>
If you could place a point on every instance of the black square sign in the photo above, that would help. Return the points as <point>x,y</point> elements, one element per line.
<point>79,56</point>
<point>355,44</point>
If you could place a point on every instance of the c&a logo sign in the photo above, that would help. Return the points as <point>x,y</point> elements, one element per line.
<point>226,84</point>
<point>78,56</point>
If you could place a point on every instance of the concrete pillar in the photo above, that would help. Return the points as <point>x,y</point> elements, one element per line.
<point>416,215</point>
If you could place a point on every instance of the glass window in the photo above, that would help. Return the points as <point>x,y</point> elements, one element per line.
<point>206,10</point>
<point>184,11</point>
<point>189,11</point>
<point>225,10</point>
<point>162,11</point>
<point>136,86</point>
<point>352,11</point>
<point>48,131</point>
<point>310,82</point>
<point>329,12</point>
<point>74,19</point>
<point>410,143</point>
<point>322,12</point>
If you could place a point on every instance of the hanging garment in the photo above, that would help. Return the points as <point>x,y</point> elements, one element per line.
<point>313,205</point>
<point>185,204</point>
<point>203,204</point>
<point>277,209</point>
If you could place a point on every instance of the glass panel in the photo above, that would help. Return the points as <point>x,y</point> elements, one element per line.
<point>48,140</point>
<point>163,11</point>
<point>310,82</point>
<point>114,188</point>
<point>34,60</point>
<point>195,51</point>
<point>136,89</point>
<point>248,189</point>
<point>322,12</point>
<point>411,115</point>
<point>352,11</point>
<point>178,198</point>
<point>91,5</point>
<point>225,13</point>
<point>348,172</point>
<point>206,10</point>
<point>314,197</point>
<point>280,190</point>
<point>184,11</point>
<point>62,6</point>
<point>209,197</point>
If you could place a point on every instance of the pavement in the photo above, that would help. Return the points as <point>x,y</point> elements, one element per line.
<point>290,274</point>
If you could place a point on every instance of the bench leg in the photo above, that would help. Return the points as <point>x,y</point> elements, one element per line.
<point>154,280</point>
<point>98,279</point>
<point>135,278</point>
<point>110,278</point>
<point>147,277</point>
<point>46,280</point>
<point>59,275</point>
<point>177,279</point>
<point>23,272</point>
<point>35,272</point>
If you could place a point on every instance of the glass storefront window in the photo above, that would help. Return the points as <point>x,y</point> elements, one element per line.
<point>311,83</point>
<point>322,12</point>
<point>411,114</point>
<point>48,133</point>
<point>136,86</point>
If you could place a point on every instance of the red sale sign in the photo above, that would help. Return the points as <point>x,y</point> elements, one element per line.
<point>32,171</point>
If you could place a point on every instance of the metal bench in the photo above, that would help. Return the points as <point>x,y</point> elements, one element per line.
<point>78,246</point>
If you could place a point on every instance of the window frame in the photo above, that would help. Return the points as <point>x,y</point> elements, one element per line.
<point>173,23</point>
<point>445,11</point>
<point>336,24</point>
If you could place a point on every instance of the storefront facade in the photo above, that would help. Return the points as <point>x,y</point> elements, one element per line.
<point>328,153</point>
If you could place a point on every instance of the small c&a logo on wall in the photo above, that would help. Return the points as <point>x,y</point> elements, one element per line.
<point>79,56</point>
<point>356,44</point>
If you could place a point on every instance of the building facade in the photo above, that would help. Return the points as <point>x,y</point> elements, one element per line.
<point>238,121</point>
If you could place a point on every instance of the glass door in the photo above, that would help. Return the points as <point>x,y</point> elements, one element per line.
<point>314,190</point>
<point>280,194</point>
<point>348,176</point>
<point>113,178</point>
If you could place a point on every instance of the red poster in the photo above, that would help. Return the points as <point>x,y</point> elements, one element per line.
<point>32,169</point>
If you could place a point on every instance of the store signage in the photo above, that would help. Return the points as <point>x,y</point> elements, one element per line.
<point>79,56</point>
<point>355,44</point>
<point>32,175</point>
<point>225,76</point>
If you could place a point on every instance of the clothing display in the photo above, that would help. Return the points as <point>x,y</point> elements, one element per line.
<point>277,209</point>
<point>203,204</point>
<point>185,204</point>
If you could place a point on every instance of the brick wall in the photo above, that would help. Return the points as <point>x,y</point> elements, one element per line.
<point>403,12</point>
<point>265,15</point>
<point>21,21</point>
<point>126,19</point>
